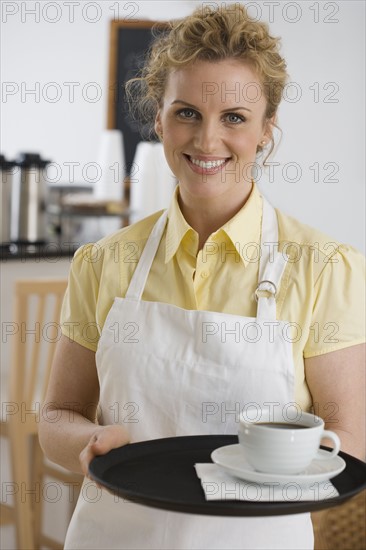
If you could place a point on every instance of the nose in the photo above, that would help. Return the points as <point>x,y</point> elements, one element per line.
<point>206,137</point>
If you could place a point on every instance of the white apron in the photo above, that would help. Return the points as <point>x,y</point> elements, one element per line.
<point>165,371</point>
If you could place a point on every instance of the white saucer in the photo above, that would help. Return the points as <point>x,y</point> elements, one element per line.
<point>232,459</point>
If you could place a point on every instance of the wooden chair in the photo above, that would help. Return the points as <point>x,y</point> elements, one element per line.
<point>36,331</point>
<point>342,527</point>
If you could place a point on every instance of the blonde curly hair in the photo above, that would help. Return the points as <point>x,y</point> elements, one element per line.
<point>209,34</point>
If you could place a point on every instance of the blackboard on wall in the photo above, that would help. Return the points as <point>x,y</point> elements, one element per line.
<point>129,44</point>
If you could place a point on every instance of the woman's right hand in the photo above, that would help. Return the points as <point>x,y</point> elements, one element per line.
<point>104,439</point>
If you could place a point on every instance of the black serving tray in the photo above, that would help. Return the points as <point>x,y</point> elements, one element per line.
<point>160,473</point>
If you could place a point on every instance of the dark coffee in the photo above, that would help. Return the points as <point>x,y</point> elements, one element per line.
<point>282,425</point>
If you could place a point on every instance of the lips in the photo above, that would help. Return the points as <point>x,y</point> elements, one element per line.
<point>204,165</point>
<point>207,164</point>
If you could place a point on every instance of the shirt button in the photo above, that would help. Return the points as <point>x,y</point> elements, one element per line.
<point>204,274</point>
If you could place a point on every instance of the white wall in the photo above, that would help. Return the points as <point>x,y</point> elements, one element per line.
<point>324,47</point>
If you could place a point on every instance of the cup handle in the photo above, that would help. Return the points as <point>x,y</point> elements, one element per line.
<point>337,445</point>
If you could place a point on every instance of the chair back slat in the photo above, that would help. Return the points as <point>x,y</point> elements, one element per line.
<point>18,364</point>
<point>35,346</point>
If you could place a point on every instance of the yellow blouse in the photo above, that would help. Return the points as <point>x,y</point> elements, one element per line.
<point>322,293</point>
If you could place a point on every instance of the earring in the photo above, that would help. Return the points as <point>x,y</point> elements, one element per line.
<point>263,143</point>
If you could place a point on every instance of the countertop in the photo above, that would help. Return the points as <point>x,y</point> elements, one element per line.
<point>47,251</point>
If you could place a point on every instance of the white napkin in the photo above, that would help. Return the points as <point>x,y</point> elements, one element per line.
<point>219,485</point>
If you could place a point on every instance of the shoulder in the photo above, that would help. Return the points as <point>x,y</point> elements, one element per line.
<point>319,261</point>
<point>293,231</point>
<point>324,286</point>
<point>304,243</point>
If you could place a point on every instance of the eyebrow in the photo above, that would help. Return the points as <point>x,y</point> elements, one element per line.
<point>230,110</point>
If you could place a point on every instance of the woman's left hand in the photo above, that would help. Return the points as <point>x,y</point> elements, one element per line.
<point>103,440</point>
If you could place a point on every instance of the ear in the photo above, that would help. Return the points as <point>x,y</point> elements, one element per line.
<point>158,125</point>
<point>268,126</point>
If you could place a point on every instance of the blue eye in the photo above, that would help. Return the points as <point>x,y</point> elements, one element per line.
<point>186,113</point>
<point>234,118</point>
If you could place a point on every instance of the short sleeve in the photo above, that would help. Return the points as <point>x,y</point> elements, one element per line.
<point>338,319</point>
<point>78,313</point>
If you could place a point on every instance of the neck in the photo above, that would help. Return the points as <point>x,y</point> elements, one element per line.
<point>207,215</point>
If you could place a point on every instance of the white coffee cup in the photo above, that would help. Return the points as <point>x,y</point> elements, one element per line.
<point>275,444</point>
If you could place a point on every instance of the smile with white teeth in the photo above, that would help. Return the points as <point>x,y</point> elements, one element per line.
<point>209,164</point>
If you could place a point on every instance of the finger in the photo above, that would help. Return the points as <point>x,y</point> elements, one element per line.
<point>85,458</point>
<point>101,442</point>
<point>87,454</point>
<point>109,438</point>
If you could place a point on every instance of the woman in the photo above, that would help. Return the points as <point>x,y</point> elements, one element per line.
<point>148,312</point>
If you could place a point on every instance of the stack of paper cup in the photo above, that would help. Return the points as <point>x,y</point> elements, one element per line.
<point>111,161</point>
<point>151,181</point>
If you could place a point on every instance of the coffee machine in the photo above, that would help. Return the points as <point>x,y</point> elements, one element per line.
<point>6,187</point>
<point>29,199</point>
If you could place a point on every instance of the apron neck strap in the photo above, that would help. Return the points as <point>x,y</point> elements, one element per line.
<point>139,278</point>
<point>271,265</point>
<point>269,236</point>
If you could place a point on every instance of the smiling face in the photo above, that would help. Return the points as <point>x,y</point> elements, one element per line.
<point>212,120</point>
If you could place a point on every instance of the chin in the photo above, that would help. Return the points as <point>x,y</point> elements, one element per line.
<point>204,191</point>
